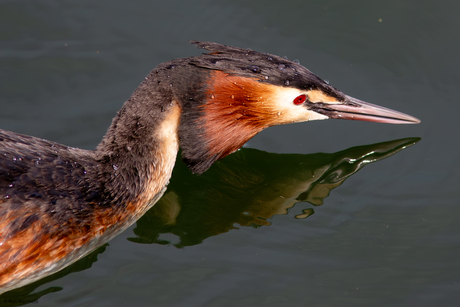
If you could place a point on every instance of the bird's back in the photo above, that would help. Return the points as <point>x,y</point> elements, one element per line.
<point>45,200</point>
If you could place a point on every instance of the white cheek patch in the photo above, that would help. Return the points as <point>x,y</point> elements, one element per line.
<point>283,102</point>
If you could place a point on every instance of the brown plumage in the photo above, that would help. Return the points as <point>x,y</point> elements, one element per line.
<point>58,203</point>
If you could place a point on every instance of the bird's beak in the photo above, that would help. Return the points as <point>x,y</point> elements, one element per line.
<point>355,109</point>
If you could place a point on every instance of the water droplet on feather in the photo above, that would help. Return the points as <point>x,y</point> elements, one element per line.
<point>255,68</point>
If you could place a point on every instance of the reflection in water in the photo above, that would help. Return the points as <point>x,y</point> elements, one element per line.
<point>247,188</point>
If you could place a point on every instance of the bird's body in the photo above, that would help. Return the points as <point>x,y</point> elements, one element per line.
<point>58,203</point>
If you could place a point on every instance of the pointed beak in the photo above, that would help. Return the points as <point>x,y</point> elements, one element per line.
<point>356,109</point>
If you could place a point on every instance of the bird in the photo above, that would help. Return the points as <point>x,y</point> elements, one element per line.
<point>58,203</point>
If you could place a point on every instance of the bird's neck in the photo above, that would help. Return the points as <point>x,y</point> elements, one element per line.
<point>139,151</point>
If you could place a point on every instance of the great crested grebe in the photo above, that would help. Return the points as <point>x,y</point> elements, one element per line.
<point>58,203</point>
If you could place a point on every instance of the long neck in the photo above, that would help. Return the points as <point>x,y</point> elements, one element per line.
<point>138,152</point>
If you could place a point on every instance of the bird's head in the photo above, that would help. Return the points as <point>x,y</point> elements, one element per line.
<point>235,93</point>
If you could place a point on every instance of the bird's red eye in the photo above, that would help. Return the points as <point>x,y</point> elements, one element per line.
<point>300,99</point>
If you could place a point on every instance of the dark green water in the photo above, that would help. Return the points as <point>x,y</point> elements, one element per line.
<point>239,235</point>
